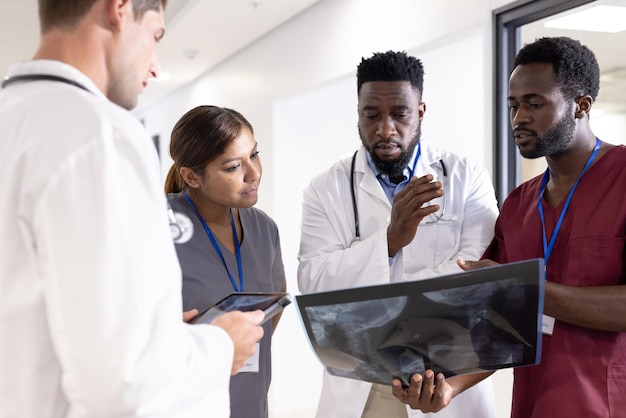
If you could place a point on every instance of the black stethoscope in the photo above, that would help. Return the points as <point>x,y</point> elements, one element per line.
<point>437,217</point>
<point>36,77</point>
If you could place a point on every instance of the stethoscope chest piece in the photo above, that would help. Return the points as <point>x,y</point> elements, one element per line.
<point>181,227</point>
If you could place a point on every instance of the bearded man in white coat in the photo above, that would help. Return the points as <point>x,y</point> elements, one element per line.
<point>414,211</point>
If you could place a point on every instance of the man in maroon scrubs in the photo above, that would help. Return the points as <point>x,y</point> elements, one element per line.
<point>574,216</point>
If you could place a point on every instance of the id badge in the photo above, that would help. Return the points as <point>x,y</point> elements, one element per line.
<point>252,365</point>
<point>547,324</point>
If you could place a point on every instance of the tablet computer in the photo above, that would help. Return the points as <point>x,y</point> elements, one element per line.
<point>270,303</point>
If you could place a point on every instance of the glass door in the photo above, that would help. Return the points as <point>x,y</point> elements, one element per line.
<point>522,22</point>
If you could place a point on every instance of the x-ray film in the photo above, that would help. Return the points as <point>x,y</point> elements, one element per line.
<point>469,322</point>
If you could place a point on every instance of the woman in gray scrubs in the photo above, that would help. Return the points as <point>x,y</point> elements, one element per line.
<point>224,244</point>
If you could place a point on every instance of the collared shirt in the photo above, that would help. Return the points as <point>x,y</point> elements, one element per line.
<point>390,188</point>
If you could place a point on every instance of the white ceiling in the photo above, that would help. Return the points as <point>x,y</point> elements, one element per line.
<point>199,35</point>
<point>609,48</point>
<point>202,33</point>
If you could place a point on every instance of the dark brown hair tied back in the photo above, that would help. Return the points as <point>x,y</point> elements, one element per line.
<point>200,136</point>
<point>174,182</point>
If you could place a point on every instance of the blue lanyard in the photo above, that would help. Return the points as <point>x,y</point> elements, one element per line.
<point>417,157</point>
<point>547,247</point>
<point>217,247</point>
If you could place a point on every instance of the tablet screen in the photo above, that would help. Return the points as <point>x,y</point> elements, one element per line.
<point>269,303</point>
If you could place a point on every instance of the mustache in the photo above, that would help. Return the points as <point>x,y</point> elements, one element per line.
<point>524,130</point>
<point>387,142</point>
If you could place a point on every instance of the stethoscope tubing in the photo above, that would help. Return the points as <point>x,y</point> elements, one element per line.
<point>357,231</point>
<point>37,77</point>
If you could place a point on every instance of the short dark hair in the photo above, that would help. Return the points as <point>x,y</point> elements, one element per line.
<point>68,13</point>
<point>391,66</point>
<point>574,65</point>
<point>200,136</point>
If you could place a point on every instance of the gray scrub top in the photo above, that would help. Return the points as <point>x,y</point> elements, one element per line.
<point>206,281</point>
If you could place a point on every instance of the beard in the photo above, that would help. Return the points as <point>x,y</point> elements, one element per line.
<point>395,168</point>
<point>556,141</point>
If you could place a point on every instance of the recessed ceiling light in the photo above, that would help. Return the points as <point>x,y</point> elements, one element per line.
<point>609,19</point>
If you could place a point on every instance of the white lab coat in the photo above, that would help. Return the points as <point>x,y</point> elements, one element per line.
<point>330,259</point>
<point>90,285</point>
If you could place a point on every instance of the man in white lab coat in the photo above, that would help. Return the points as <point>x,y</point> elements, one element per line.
<point>90,301</point>
<point>398,210</point>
